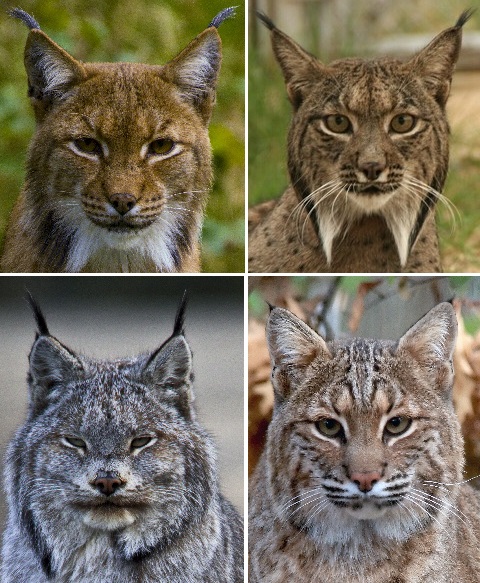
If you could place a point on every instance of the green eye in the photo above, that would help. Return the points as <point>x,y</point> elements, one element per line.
<point>337,123</point>
<point>161,146</point>
<point>397,425</point>
<point>402,123</point>
<point>139,442</point>
<point>76,442</point>
<point>329,427</point>
<point>88,145</point>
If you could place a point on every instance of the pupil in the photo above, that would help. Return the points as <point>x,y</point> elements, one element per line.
<point>330,423</point>
<point>395,421</point>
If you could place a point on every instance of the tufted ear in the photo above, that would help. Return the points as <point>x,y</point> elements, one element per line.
<point>293,347</point>
<point>435,63</point>
<point>298,66</point>
<point>169,368</point>
<point>51,71</point>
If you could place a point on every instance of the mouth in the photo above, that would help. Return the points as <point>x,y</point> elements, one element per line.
<point>373,189</point>
<point>121,225</point>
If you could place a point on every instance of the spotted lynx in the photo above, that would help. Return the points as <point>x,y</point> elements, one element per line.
<point>112,478</point>
<point>361,479</point>
<point>367,158</point>
<point>119,168</point>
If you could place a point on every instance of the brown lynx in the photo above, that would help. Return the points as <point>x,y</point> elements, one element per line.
<point>361,479</point>
<point>119,167</point>
<point>367,158</point>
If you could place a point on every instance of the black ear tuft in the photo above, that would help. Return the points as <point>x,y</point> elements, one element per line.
<point>270,306</point>
<point>464,16</point>
<point>225,14</point>
<point>265,20</point>
<point>39,317</point>
<point>179,327</point>
<point>25,18</point>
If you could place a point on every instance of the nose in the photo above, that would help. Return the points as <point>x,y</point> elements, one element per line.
<point>372,170</point>
<point>365,480</point>
<point>122,202</point>
<point>107,483</point>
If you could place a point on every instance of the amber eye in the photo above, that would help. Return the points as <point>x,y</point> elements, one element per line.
<point>139,442</point>
<point>161,146</point>
<point>330,427</point>
<point>88,145</point>
<point>76,442</point>
<point>397,425</point>
<point>402,123</point>
<point>337,123</point>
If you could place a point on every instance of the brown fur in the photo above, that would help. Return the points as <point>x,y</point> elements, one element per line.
<point>124,206</point>
<point>363,195</point>
<point>309,519</point>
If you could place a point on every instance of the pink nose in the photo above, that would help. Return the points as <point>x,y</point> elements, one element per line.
<point>365,480</point>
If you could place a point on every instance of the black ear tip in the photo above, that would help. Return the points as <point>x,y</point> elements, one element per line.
<point>179,326</point>
<point>265,20</point>
<point>25,18</point>
<point>39,317</point>
<point>225,14</point>
<point>464,16</point>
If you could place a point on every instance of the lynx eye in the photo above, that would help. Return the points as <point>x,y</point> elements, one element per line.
<point>329,427</point>
<point>75,442</point>
<point>139,442</point>
<point>402,123</point>
<point>88,146</point>
<point>397,425</point>
<point>161,146</point>
<point>337,123</point>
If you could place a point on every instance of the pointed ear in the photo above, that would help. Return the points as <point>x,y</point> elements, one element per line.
<point>170,371</point>
<point>51,70</point>
<point>431,342</point>
<point>293,347</point>
<point>435,63</point>
<point>298,66</point>
<point>195,71</point>
<point>51,363</point>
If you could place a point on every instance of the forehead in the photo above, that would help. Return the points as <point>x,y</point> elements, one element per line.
<point>361,376</point>
<point>367,85</point>
<point>125,99</point>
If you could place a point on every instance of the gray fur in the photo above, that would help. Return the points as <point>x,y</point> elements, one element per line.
<point>165,519</point>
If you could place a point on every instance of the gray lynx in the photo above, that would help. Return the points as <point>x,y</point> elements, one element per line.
<point>361,478</point>
<point>367,157</point>
<point>119,168</point>
<point>112,478</point>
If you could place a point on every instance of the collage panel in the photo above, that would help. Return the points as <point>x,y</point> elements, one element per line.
<point>363,435</point>
<point>127,461</point>
<point>363,137</point>
<point>132,159</point>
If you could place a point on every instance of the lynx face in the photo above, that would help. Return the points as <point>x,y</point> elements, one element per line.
<point>131,172</point>
<point>363,431</point>
<point>368,136</point>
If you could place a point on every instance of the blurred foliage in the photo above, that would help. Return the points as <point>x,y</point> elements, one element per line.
<point>145,31</point>
<point>352,27</point>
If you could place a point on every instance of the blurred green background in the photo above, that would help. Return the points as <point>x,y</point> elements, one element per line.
<point>146,31</point>
<point>334,29</point>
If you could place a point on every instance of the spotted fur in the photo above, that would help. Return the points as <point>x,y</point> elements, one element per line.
<point>165,519</point>
<point>365,503</point>
<point>121,206</point>
<point>362,195</point>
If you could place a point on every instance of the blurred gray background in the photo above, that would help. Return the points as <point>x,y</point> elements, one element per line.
<point>109,317</point>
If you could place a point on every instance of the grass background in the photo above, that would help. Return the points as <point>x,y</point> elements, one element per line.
<point>146,31</point>
<point>355,32</point>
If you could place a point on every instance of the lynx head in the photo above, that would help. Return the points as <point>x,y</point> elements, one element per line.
<point>363,431</point>
<point>369,136</point>
<point>113,447</point>
<point>121,156</point>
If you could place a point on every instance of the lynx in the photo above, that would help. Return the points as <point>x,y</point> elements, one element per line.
<point>112,478</point>
<point>119,167</point>
<point>361,478</point>
<point>367,158</point>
